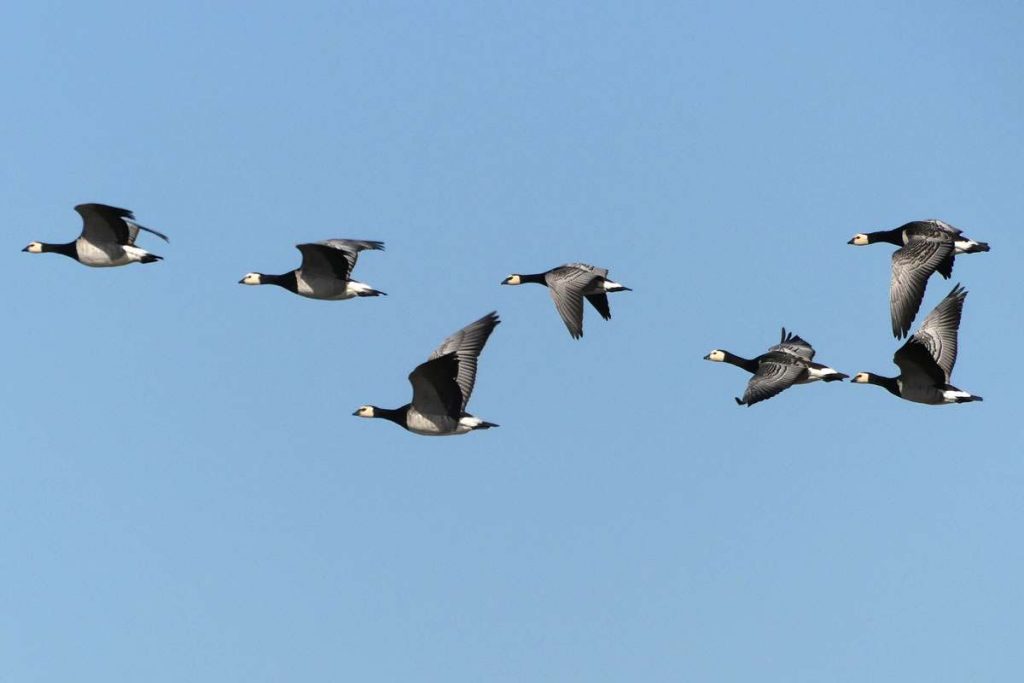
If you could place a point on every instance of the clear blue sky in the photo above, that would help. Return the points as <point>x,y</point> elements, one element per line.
<point>185,495</point>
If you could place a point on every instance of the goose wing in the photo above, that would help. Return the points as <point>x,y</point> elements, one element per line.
<point>335,257</point>
<point>915,360</point>
<point>109,224</point>
<point>912,265</point>
<point>566,285</point>
<point>935,230</point>
<point>794,344</point>
<point>465,346</point>
<point>775,374</point>
<point>938,333</point>
<point>435,387</point>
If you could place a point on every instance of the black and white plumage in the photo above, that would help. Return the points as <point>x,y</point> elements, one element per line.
<point>107,239</point>
<point>925,247</point>
<point>789,362</point>
<point>442,385</point>
<point>569,284</point>
<point>325,271</point>
<point>926,360</point>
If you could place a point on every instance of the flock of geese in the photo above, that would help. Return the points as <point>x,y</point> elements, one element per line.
<point>442,385</point>
<point>926,359</point>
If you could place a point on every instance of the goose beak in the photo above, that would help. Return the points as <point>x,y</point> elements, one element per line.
<point>242,281</point>
<point>850,242</point>
<point>356,413</point>
<point>707,357</point>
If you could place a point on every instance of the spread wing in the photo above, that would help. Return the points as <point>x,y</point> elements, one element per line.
<point>435,388</point>
<point>466,345</point>
<point>938,333</point>
<point>335,257</point>
<point>566,285</point>
<point>794,344</point>
<point>914,358</point>
<point>912,265</point>
<point>109,224</point>
<point>773,376</point>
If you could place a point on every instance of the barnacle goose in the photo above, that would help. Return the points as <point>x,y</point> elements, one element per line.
<point>324,272</point>
<point>441,386</point>
<point>925,247</point>
<point>789,362</point>
<point>569,285</point>
<point>926,359</point>
<point>107,239</point>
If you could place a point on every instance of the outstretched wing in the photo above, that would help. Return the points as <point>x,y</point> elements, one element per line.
<point>109,224</point>
<point>939,331</point>
<point>773,376</point>
<point>794,344</point>
<point>566,285</point>
<point>333,258</point>
<point>912,265</point>
<point>914,359</point>
<point>466,345</point>
<point>435,387</point>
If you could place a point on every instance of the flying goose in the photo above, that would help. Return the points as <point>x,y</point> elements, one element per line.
<point>568,285</point>
<point>925,247</point>
<point>926,359</point>
<point>324,272</point>
<point>107,239</point>
<point>442,385</point>
<point>789,362</point>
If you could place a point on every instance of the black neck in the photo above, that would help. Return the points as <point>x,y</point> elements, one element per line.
<point>68,249</point>
<point>894,236</point>
<point>399,415</point>
<point>888,383</point>
<point>537,278</point>
<point>287,280</point>
<point>748,364</point>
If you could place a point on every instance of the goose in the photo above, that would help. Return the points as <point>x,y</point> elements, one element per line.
<point>324,272</point>
<point>441,386</point>
<point>926,359</point>
<point>569,284</point>
<point>107,239</point>
<point>925,247</point>
<point>789,362</point>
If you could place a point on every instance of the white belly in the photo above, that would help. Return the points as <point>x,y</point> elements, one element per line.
<point>91,255</point>
<point>330,289</point>
<point>432,425</point>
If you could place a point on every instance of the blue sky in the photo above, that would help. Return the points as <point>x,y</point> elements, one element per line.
<point>185,495</point>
